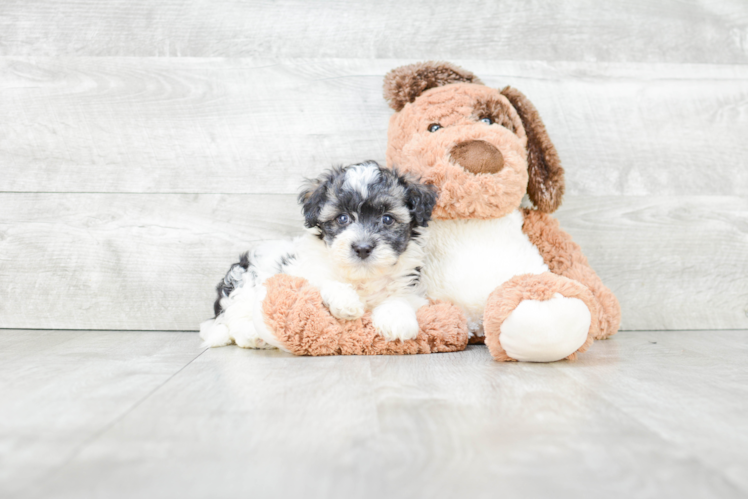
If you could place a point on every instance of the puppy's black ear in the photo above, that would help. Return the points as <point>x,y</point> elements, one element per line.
<point>421,199</point>
<point>312,197</point>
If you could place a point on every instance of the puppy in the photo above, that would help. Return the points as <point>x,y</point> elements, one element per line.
<point>361,250</point>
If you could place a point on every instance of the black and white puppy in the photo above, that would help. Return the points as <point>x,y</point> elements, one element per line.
<point>361,250</point>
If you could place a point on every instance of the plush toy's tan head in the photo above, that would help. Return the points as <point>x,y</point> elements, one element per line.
<point>481,147</point>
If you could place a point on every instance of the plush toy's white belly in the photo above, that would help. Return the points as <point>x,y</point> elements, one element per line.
<point>466,260</point>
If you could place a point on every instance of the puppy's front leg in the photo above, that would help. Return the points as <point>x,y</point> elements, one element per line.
<point>342,300</point>
<point>395,318</point>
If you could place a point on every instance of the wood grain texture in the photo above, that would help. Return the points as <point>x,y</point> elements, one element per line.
<point>60,390</point>
<point>696,31</point>
<point>645,414</point>
<point>170,125</point>
<point>151,262</point>
<point>126,261</point>
<point>715,433</point>
<point>669,260</point>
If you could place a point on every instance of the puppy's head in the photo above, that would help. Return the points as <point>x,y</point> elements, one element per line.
<point>366,214</point>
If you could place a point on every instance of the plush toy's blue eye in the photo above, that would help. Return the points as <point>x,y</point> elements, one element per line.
<point>343,219</point>
<point>387,220</point>
<point>487,120</point>
<point>434,127</point>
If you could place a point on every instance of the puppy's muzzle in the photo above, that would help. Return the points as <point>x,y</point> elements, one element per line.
<point>478,157</point>
<point>363,250</point>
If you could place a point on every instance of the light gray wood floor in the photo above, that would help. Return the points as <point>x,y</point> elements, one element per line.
<point>108,413</point>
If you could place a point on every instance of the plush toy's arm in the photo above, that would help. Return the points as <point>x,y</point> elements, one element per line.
<point>565,258</point>
<point>294,312</point>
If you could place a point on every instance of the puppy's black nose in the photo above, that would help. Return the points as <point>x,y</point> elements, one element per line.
<point>363,250</point>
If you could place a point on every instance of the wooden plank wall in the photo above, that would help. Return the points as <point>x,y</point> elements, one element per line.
<point>145,143</point>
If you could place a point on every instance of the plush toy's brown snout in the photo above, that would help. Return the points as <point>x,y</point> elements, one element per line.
<point>478,157</point>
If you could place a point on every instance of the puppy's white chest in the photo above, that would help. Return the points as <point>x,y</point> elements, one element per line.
<point>466,260</point>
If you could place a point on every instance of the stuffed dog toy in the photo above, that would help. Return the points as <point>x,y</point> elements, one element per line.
<point>523,286</point>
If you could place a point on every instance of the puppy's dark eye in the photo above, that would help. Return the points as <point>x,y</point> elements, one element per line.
<point>342,219</point>
<point>387,220</point>
<point>434,127</point>
<point>487,120</point>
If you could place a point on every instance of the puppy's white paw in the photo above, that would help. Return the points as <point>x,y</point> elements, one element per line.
<point>395,320</point>
<point>547,330</point>
<point>347,308</point>
<point>342,300</point>
<point>246,336</point>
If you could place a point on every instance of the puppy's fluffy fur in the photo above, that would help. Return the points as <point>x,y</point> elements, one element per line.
<point>362,250</point>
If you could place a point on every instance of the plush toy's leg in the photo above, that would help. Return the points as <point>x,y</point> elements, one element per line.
<point>565,258</point>
<point>297,320</point>
<point>541,318</point>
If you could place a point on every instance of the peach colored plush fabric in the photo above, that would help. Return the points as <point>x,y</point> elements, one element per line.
<point>405,84</point>
<point>431,93</point>
<point>502,302</point>
<point>462,194</point>
<point>546,184</point>
<point>565,258</point>
<point>295,313</point>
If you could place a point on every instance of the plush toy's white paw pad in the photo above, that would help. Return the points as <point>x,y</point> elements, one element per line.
<point>343,301</point>
<point>395,320</point>
<point>546,330</point>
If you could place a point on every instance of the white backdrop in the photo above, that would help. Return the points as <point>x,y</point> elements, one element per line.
<point>145,143</point>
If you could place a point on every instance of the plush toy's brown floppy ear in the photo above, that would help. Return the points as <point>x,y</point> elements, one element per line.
<point>404,84</point>
<point>546,184</point>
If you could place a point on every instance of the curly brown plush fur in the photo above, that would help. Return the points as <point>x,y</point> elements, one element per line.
<point>546,184</point>
<point>490,186</point>
<point>404,84</point>
<point>430,156</point>
<point>293,309</point>
<point>565,258</point>
<point>505,299</point>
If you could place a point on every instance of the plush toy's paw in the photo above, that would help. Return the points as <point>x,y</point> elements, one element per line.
<point>342,300</point>
<point>395,320</point>
<point>545,330</point>
<point>540,317</point>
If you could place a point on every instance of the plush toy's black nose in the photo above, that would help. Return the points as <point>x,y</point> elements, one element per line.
<point>363,250</point>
